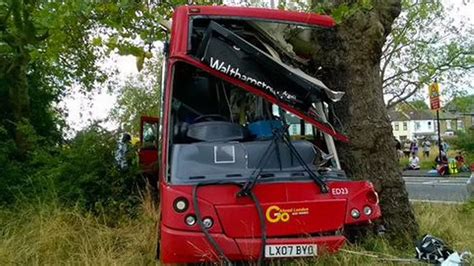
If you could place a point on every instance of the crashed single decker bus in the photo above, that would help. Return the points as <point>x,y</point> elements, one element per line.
<point>240,180</point>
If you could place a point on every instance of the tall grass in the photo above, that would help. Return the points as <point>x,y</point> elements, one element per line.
<point>453,223</point>
<point>47,234</point>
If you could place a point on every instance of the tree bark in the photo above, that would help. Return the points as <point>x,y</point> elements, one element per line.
<point>350,59</point>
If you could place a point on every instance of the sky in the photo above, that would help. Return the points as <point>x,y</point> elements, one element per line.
<point>96,106</point>
<point>82,109</point>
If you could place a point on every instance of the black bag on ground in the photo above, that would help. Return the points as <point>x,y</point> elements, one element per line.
<point>432,250</point>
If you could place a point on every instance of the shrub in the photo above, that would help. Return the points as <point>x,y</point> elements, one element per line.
<point>81,173</point>
<point>465,143</point>
<point>10,170</point>
<point>15,162</point>
<point>85,175</point>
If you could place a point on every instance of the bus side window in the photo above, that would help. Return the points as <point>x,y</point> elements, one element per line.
<point>150,135</point>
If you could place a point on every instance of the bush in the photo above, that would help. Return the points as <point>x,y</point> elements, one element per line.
<point>15,162</point>
<point>81,173</point>
<point>85,175</point>
<point>465,142</point>
<point>10,170</point>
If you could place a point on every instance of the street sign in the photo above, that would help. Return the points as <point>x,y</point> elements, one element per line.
<point>435,103</point>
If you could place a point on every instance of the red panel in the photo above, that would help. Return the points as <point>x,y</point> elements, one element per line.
<point>164,141</point>
<point>310,19</point>
<point>148,159</point>
<point>182,14</point>
<point>192,247</point>
<point>287,218</point>
<point>238,217</point>
<point>188,247</point>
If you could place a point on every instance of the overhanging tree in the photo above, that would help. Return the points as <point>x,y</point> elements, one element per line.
<point>427,42</point>
<point>48,48</point>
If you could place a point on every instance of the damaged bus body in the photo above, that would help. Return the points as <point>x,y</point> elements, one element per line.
<point>235,184</point>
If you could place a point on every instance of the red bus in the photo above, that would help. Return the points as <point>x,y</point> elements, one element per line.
<point>240,180</point>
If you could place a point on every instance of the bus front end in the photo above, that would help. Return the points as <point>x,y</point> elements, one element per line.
<point>248,165</point>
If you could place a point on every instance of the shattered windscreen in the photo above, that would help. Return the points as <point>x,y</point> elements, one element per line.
<point>259,54</point>
<point>222,128</point>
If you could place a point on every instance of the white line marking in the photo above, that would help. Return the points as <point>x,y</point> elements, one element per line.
<point>437,201</point>
<point>436,184</point>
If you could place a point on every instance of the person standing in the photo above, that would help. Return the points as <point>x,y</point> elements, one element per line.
<point>414,147</point>
<point>445,146</point>
<point>426,148</point>
<point>398,147</point>
<point>122,155</point>
<point>406,148</point>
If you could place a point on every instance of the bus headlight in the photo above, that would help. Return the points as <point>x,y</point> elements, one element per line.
<point>180,204</point>
<point>355,213</point>
<point>190,220</point>
<point>208,222</point>
<point>367,210</point>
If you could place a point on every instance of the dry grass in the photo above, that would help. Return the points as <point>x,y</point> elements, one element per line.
<point>453,223</point>
<point>46,234</point>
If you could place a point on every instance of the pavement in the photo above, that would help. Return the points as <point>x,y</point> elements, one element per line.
<point>427,174</point>
<point>451,189</point>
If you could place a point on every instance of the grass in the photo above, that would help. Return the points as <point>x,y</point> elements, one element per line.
<point>452,223</point>
<point>427,163</point>
<point>46,234</point>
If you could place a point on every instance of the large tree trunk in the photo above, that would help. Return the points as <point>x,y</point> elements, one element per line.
<point>350,58</point>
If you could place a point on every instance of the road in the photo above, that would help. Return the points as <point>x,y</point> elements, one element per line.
<point>436,188</point>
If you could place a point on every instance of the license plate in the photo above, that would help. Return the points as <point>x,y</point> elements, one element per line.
<point>291,250</point>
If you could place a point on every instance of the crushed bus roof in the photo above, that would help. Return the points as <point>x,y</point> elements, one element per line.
<point>224,42</point>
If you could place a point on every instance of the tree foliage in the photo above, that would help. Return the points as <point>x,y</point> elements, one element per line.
<point>427,43</point>
<point>42,55</point>
<point>411,106</point>
<point>462,104</point>
<point>139,96</point>
<point>48,49</point>
<point>465,143</point>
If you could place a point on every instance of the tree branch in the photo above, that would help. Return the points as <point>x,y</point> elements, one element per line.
<point>400,73</point>
<point>392,102</point>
